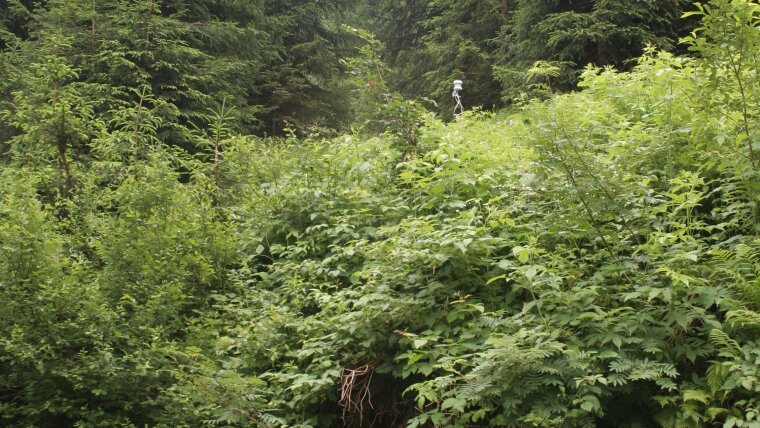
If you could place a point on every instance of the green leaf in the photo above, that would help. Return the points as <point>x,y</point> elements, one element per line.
<point>696,395</point>
<point>590,403</point>
<point>414,358</point>
<point>453,403</point>
<point>419,343</point>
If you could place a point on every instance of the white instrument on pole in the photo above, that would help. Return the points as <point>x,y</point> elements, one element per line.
<point>458,107</point>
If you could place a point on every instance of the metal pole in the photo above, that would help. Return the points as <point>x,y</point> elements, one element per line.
<point>458,107</point>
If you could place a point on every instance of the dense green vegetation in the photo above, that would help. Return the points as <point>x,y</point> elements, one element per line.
<point>504,48</point>
<point>589,258</point>
<point>275,61</point>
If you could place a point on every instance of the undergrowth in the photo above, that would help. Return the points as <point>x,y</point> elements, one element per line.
<point>586,260</point>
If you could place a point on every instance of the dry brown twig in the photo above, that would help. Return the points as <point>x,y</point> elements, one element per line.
<point>355,390</point>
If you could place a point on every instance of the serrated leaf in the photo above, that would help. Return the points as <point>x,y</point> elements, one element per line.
<point>454,403</point>
<point>696,395</point>
<point>414,358</point>
<point>590,403</point>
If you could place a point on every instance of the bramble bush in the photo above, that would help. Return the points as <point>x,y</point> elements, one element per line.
<point>587,259</point>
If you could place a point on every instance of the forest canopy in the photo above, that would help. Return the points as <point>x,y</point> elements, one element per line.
<point>263,213</point>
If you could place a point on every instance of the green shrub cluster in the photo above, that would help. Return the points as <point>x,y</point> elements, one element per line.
<point>587,260</point>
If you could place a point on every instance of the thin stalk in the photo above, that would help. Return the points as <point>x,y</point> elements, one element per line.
<point>599,184</point>
<point>61,143</point>
<point>736,70</point>
<point>571,176</point>
<point>92,20</point>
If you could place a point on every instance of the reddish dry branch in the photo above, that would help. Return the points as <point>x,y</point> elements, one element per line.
<point>355,391</point>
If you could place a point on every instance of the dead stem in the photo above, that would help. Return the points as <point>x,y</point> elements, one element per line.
<point>355,391</point>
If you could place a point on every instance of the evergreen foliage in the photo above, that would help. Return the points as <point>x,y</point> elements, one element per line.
<point>275,62</point>
<point>429,44</point>
<point>493,44</point>
<point>572,34</point>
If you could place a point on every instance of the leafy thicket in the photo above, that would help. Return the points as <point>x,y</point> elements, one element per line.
<point>589,259</point>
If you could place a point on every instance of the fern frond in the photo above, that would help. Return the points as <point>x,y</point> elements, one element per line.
<point>715,412</point>
<point>751,252</point>
<point>716,376</point>
<point>696,395</point>
<point>724,344</point>
<point>743,319</point>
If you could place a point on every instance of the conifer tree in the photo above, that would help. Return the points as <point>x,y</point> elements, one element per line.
<point>13,20</point>
<point>432,43</point>
<point>493,44</point>
<point>303,87</point>
<point>572,34</point>
<point>273,62</point>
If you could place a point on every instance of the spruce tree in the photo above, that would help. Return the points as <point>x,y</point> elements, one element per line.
<point>303,86</point>
<point>572,34</point>
<point>432,43</point>
<point>493,44</point>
